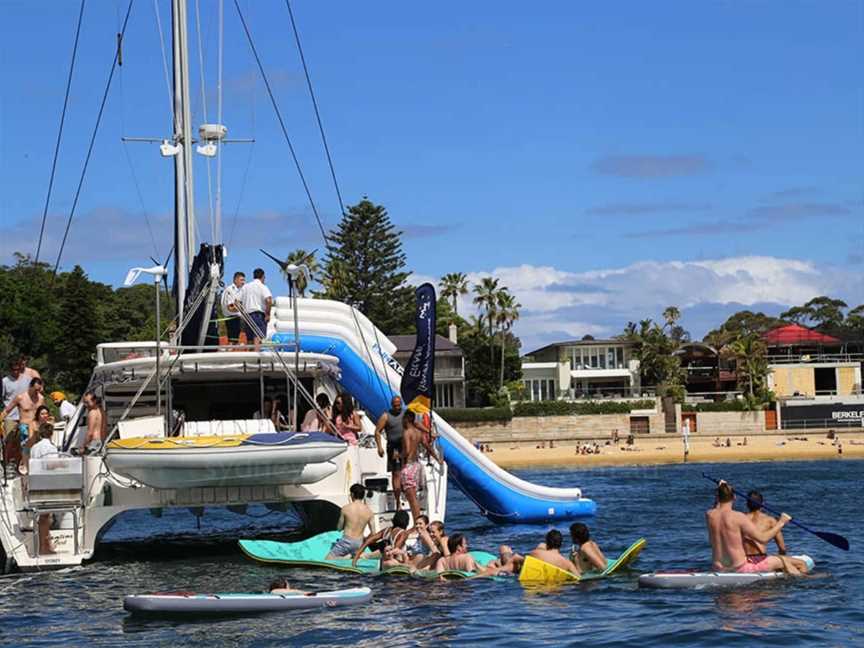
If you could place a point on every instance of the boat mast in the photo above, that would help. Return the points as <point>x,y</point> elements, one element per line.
<point>184,199</point>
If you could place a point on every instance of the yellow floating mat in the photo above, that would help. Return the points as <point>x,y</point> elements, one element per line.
<point>535,570</point>
<point>178,443</point>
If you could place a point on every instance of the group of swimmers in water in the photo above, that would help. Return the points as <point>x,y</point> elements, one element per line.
<point>427,547</point>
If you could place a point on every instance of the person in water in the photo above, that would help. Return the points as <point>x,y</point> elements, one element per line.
<point>282,586</point>
<point>411,476</point>
<point>459,558</point>
<point>550,552</point>
<point>390,423</point>
<point>727,529</point>
<point>587,556</point>
<point>757,551</point>
<point>507,563</point>
<point>354,518</point>
<point>392,538</point>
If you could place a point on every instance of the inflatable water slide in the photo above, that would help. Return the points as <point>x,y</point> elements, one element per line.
<point>372,375</point>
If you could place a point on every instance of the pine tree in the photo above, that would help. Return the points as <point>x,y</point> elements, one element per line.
<point>365,266</point>
<point>72,351</point>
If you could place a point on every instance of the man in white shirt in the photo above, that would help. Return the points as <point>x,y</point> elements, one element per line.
<point>66,409</point>
<point>257,301</point>
<point>230,297</point>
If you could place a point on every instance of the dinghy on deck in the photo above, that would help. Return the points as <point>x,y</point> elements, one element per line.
<point>186,462</point>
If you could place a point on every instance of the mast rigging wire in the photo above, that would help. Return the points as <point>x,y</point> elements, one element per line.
<point>60,132</point>
<point>281,123</point>
<point>92,142</point>
<point>315,106</point>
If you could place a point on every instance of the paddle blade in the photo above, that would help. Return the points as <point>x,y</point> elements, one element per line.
<point>832,538</point>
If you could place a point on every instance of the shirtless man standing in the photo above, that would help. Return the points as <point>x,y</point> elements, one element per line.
<point>727,529</point>
<point>390,422</point>
<point>413,436</point>
<point>95,421</point>
<point>550,552</point>
<point>459,557</point>
<point>755,550</point>
<point>353,520</point>
<point>26,404</point>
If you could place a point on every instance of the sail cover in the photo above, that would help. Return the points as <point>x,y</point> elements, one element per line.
<point>199,278</point>
<point>418,384</point>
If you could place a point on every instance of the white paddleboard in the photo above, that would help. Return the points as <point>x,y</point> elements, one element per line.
<point>696,580</point>
<point>190,603</point>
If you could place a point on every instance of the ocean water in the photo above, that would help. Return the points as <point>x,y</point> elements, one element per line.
<point>664,504</point>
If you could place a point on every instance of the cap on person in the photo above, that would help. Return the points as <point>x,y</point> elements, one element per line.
<point>58,396</point>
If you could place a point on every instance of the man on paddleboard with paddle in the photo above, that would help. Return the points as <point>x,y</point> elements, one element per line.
<point>757,551</point>
<point>727,529</point>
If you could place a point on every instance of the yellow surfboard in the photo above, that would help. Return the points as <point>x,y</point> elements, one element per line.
<point>535,571</point>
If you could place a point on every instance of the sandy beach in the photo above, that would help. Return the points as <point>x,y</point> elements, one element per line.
<point>661,449</point>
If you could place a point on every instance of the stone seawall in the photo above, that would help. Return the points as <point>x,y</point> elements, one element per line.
<point>524,430</point>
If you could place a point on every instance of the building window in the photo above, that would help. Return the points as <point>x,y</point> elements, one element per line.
<point>620,352</point>
<point>445,395</point>
<point>539,389</point>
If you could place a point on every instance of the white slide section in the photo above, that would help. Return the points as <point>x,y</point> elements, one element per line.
<point>501,496</point>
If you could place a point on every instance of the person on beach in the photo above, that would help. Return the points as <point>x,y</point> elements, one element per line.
<point>459,558</point>
<point>411,476</point>
<point>96,422</point>
<point>549,551</point>
<point>390,423</point>
<point>354,518</point>
<point>587,556</point>
<point>384,542</point>
<point>755,550</point>
<point>231,298</point>
<point>726,531</point>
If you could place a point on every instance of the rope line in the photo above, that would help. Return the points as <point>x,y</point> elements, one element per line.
<point>92,141</point>
<point>60,132</point>
<point>315,106</point>
<point>281,121</point>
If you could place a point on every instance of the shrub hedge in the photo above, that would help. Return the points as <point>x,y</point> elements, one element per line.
<point>737,405</point>
<point>567,408</point>
<point>478,414</point>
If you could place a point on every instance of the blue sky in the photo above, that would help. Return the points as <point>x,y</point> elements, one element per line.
<point>605,160</point>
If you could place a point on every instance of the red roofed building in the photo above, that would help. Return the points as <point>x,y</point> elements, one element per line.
<point>797,335</point>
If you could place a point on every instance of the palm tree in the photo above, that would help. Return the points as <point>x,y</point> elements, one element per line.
<point>302,257</point>
<point>453,285</point>
<point>506,314</point>
<point>487,299</point>
<point>749,352</point>
<point>672,314</point>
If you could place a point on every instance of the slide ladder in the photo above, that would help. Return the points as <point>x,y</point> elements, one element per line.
<point>372,375</point>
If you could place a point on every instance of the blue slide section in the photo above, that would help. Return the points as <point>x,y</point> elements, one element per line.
<point>500,496</point>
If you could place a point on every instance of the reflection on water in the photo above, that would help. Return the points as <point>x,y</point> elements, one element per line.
<point>663,504</point>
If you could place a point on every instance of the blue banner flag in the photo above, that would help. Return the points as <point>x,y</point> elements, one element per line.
<point>418,380</point>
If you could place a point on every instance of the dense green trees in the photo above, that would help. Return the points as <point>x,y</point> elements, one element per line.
<point>654,348</point>
<point>365,266</point>
<point>57,321</point>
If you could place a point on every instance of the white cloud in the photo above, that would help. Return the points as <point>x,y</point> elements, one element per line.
<point>557,304</point>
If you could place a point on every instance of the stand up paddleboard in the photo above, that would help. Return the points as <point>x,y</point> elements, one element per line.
<point>701,580</point>
<point>189,603</point>
<point>313,553</point>
<point>535,571</point>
